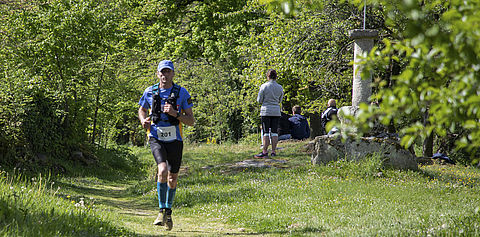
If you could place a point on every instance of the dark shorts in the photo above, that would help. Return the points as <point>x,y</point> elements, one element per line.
<point>270,123</point>
<point>170,152</point>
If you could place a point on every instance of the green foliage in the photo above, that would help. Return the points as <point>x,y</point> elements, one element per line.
<point>59,78</point>
<point>218,101</point>
<point>31,123</point>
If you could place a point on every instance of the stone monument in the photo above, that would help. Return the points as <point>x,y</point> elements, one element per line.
<point>329,148</point>
<point>361,88</point>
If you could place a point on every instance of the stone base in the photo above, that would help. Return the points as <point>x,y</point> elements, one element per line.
<point>331,148</point>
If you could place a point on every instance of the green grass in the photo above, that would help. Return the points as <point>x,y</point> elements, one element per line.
<point>34,208</point>
<point>342,198</point>
<point>291,198</point>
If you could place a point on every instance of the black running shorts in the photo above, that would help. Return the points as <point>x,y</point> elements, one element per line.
<point>170,152</point>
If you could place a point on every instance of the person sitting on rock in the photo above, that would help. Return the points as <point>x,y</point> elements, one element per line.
<point>328,115</point>
<point>300,128</point>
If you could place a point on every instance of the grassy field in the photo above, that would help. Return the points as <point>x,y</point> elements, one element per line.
<point>218,196</point>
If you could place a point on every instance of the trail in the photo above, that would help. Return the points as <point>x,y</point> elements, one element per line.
<point>136,213</point>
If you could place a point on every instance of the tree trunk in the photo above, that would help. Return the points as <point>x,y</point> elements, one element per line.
<point>428,142</point>
<point>97,100</point>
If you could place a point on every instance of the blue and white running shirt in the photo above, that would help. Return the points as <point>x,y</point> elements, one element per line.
<point>164,131</point>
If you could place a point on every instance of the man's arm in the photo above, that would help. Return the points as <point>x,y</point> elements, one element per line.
<point>143,117</point>
<point>187,117</point>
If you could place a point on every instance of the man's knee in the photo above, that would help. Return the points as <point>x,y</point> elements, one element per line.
<point>162,171</point>
<point>172,180</point>
<point>172,177</point>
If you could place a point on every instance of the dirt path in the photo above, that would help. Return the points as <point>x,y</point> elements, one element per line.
<point>136,213</point>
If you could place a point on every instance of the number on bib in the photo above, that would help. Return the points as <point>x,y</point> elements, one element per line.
<point>167,133</point>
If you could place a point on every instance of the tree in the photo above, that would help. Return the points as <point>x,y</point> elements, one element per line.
<point>50,61</point>
<point>441,75</point>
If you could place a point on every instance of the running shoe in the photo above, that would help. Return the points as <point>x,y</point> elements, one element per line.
<point>168,219</point>
<point>273,154</point>
<point>261,155</point>
<point>161,218</point>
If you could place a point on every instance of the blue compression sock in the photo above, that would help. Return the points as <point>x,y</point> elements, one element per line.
<point>170,196</point>
<point>162,194</point>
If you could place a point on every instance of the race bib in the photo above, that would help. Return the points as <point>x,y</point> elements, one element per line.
<point>166,133</point>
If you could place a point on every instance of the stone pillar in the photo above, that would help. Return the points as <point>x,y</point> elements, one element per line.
<point>361,88</point>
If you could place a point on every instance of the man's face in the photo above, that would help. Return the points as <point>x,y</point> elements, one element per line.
<point>165,75</point>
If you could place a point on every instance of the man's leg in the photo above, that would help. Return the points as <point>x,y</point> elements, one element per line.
<point>172,187</point>
<point>162,184</point>
<point>160,154</point>
<point>162,189</point>
<point>175,151</point>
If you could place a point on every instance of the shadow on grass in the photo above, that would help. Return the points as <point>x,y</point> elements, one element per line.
<point>301,231</point>
<point>297,231</point>
<point>105,192</point>
<point>295,151</point>
<point>223,175</point>
<point>450,177</point>
<point>116,198</point>
<point>192,198</point>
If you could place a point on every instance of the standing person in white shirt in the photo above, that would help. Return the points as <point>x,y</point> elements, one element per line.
<point>270,96</point>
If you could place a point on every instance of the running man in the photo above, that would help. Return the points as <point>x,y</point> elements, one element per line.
<point>170,106</point>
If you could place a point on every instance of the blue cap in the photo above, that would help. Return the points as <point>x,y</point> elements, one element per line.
<point>165,64</point>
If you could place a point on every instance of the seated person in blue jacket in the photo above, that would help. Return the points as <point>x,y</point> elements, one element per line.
<point>299,124</point>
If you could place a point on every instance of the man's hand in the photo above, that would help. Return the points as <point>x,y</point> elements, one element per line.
<point>169,109</point>
<point>146,122</point>
<point>144,118</point>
